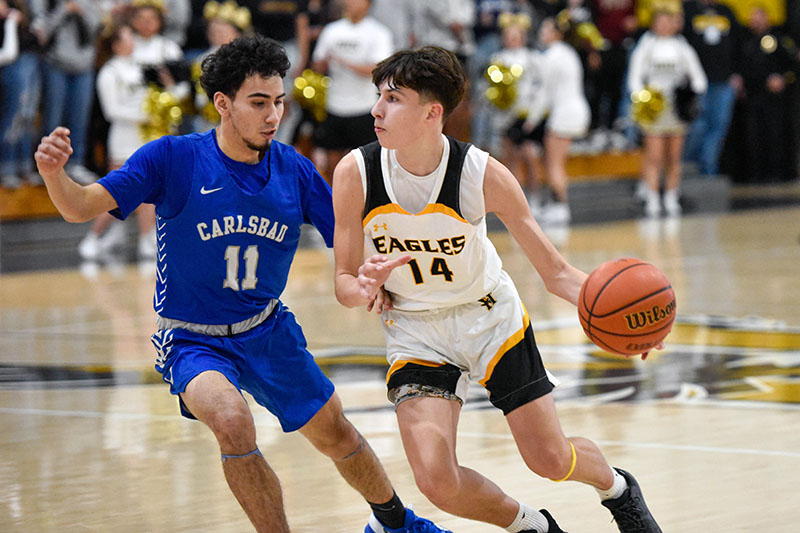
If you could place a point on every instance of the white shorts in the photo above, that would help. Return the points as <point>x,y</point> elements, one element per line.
<point>490,341</point>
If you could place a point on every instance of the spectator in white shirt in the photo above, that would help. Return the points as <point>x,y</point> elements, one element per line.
<point>9,47</point>
<point>347,50</point>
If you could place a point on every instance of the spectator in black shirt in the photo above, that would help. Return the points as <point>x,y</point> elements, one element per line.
<point>287,22</point>
<point>713,31</point>
<point>769,56</point>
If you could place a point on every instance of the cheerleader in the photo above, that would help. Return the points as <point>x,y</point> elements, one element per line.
<point>121,91</point>
<point>562,96</point>
<point>521,150</point>
<point>663,60</point>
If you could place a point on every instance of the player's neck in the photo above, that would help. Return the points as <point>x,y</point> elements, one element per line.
<point>421,157</point>
<point>238,151</point>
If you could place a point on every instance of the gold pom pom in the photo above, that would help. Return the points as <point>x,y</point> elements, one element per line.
<point>589,33</point>
<point>502,90</point>
<point>310,90</point>
<point>164,114</point>
<point>648,104</point>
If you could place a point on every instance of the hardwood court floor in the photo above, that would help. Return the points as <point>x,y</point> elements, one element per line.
<point>90,440</point>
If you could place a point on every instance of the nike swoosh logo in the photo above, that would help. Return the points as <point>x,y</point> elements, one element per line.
<point>203,190</point>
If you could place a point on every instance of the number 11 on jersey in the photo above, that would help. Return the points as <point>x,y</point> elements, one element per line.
<point>232,268</point>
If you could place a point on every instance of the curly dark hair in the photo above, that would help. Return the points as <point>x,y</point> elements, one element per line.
<point>434,72</point>
<point>226,69</point>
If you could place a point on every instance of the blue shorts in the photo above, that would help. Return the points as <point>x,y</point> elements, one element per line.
<point>270,362</point>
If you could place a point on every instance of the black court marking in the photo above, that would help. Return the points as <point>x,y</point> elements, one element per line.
<point>50,376</point>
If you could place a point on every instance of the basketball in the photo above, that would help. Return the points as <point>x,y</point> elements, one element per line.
<point>626,306</point>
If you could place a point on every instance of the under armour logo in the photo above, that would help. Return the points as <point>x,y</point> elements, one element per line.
<point>376,226</point>
<point>488,301</point>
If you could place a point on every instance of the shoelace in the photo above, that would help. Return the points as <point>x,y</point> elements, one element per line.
<point>629,516</point>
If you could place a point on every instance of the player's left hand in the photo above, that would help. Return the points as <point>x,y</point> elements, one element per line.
<point>382,302</point>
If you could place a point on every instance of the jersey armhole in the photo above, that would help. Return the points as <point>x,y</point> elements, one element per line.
<point>362,171</point>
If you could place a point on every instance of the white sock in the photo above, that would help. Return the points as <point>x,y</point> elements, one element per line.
<point>616,489</point>
<point>671,195</point>
<point>528,518</point>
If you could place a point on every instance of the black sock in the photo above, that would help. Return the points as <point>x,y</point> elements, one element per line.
<point>392,514</point>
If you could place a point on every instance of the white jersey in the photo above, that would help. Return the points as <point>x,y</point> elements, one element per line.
<point>439,220</point>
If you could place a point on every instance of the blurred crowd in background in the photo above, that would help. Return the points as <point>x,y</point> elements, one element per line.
<point>702,86</point>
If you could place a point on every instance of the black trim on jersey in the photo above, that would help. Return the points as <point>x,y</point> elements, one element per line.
<point>376,192</point>
<point>449,194</point>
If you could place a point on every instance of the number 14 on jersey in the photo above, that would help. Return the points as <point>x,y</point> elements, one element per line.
<point>438,268</point>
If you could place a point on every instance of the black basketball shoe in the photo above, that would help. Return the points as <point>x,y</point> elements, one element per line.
<point>629,510</point>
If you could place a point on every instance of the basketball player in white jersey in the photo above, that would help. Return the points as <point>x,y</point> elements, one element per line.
<point>414,204</point>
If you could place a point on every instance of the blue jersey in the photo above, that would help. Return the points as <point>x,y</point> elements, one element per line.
<point>227,231</point>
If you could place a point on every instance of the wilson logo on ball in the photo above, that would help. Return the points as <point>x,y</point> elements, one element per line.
<point>649,317</point>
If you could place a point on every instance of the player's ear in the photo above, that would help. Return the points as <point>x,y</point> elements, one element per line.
<point>435,111</point>
<point>222,103</point>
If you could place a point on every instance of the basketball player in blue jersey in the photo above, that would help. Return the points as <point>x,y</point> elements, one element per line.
<point>229,206</point>
<point>414,205</point>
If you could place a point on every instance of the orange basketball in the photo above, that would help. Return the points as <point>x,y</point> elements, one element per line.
<point>626,306</point>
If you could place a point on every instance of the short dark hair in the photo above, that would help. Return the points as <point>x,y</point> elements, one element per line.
<point>434,72</point>
<point>226,69</point>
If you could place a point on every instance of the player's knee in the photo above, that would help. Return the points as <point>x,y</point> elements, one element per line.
<point>550,463</point>
<point>439,484</point>
<point>340,440</point>
<point>234,429</point>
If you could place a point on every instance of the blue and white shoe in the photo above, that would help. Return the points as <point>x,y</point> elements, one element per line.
<point>412,524</point>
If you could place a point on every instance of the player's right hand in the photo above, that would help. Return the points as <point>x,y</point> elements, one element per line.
<point>53,152</point>
<point>374,273</point>
<point>659,346</point>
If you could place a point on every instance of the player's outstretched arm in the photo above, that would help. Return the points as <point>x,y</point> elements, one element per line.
<point>504,197</point>
<point>75,202</point>
<point>357,282</point>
